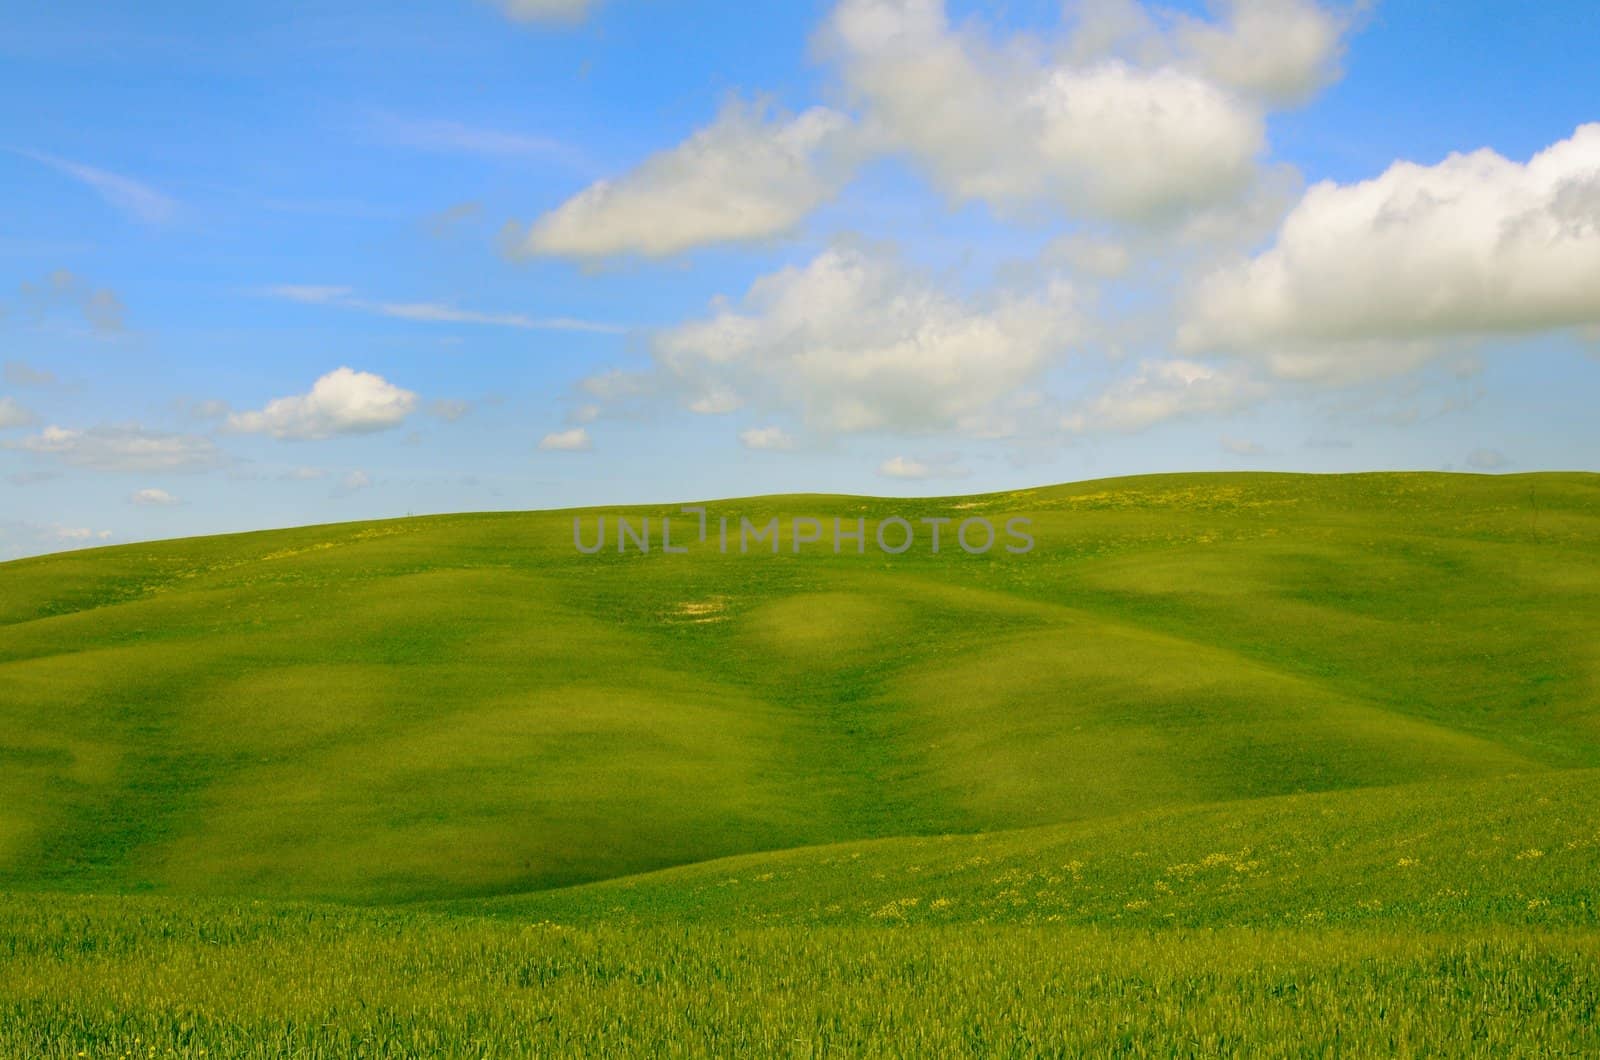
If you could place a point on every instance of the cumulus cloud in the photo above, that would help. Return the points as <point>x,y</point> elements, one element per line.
<point>1101,258</point>
<point>545,10</point>
<point>1124,120</point>
<point>766,438</point>
<point>575,440</point>
<point>854,342</point>
<point>1164,390</point>
<point>944,465</point>
<point>153,498</point>
<point>747,176</point>
<point>131,448</point>
<point>14,415</point>
<point>1279,51</point>
<point>1369,278</point>
<point>342,402</point>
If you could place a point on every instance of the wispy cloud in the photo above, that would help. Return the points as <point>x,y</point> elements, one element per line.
<point>123,448</point>
<point>942,465</point>
<point>139,201</point>
<point>453,137</point>
<point>431,312</point>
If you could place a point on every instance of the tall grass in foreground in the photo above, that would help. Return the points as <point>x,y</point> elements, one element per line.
<point>139,977</point>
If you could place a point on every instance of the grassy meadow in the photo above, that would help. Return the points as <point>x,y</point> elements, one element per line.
<point>1228,764</point>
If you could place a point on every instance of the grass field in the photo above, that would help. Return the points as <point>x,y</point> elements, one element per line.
<point>1266,764</point>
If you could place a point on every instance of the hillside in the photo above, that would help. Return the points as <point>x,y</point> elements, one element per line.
<point>466,706</point>
<point>1513,852</point>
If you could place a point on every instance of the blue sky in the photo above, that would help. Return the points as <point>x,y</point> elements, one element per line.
<point>263,267</point>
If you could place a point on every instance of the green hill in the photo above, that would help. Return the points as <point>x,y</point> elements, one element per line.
<point>1226,765</point>
<point>1513,852</point>
<point>467,706</point>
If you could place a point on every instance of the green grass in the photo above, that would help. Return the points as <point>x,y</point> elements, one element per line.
<point>144,977</point>
<point>1511,852</point>
<point>1342,732</point>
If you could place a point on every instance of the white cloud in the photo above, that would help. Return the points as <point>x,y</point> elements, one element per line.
<point>1230,229</point>
<point>1101,258</point>
<point>138,200</point>
<point>1164,390</point>
<point>852,342</point>
<point>303,474</point>
<point>309,294</point>
<point>747,176</point>
<point>945,465</point>
<point>78,534</point>
<point>766,438</point>
<point>1144,136</point>
<point>575,440</point>
<point>123,449</point>
<point>342,402</point>
<point>545,10</point>
<point>1368,279</point>
<point>14,415</point>
<point>1241,446</point>
<point>20,538</point>
<point>1280,51</point>
<point>613,385</point>
<point>153,498</point>
<point>430,312</point>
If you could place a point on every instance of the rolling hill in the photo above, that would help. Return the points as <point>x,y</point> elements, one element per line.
<point>466,706</point>
<point>1225,764</point>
